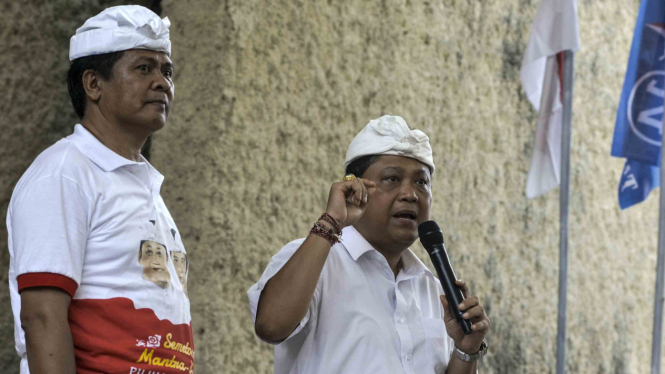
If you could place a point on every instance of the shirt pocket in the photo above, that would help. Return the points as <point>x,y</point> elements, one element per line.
<point>438,343</point>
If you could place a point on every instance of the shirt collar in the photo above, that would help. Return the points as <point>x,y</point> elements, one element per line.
<point>357,245</point>
<point>354,242</point>
<point>412,266</point>
<point>98,153</point>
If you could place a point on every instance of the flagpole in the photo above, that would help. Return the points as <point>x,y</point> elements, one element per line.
<point>566,131</point>
<point>656,346</point>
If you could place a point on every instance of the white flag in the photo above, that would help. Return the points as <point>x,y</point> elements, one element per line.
<point>554,30</point>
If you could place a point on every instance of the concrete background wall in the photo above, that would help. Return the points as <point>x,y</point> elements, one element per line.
<point>270,93</point>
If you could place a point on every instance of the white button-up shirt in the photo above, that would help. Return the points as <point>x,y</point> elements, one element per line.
<point>361,319</point>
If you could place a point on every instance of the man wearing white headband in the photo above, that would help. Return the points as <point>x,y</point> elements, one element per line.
<point>352,297</point>
<point>92,279</point>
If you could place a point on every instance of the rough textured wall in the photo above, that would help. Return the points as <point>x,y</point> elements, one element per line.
<point>34,106</point>
<point>270,93</point>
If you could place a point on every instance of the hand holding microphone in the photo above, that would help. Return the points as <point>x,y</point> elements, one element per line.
<point>466,321</point>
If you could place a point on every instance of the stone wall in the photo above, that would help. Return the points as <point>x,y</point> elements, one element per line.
<point>268,96</point>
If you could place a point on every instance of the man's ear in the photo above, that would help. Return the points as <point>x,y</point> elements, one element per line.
<point>92,84</point>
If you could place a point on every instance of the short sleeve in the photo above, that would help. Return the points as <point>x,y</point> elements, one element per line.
<point>49,221</point>
<point>275,265</point>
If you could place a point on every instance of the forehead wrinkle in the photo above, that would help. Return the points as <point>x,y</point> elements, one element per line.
<point>422,170</point>
<point>393,167</point>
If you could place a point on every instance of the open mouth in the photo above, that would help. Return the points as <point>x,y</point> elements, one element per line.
<point>407,215</point>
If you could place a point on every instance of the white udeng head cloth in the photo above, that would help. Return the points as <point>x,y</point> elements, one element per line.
<point>390,135</point>
<point>121,28</point>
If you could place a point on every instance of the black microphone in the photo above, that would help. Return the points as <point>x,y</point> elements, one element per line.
<point>432,239</point>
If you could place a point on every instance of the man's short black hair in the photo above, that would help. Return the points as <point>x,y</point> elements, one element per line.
<point>359,166</point>
<point>103,64</point>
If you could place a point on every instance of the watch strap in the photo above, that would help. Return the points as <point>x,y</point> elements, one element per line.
<point>472,358</point>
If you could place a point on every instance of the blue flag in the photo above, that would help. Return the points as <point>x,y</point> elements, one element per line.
<point>639,123</point>
<point>637,180</point>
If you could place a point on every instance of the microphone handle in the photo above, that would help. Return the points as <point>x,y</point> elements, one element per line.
<point>447,278</point>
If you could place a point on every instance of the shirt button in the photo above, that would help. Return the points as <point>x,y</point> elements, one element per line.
<point>401,320</point>
<point>408,358</point>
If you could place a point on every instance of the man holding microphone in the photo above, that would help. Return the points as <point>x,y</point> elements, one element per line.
<point>352,297</point>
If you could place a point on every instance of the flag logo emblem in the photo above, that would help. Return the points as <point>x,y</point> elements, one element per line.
<point>646,118</point>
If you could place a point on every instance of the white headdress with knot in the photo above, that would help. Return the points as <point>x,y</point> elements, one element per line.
<point>121,28</point>
<point>390,135</point>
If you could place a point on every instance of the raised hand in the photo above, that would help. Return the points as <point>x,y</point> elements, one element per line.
<point>348,199</point>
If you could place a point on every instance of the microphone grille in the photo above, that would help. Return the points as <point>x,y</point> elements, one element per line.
<point>430,234</point>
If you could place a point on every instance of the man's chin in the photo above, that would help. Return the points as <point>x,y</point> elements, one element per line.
<point>404,240</point>
<point>393,237</point>
<point>152,122</point>
<point>157,124</point>
<point>407,241</point>
<point>404,233</point>
<point>400,241</point>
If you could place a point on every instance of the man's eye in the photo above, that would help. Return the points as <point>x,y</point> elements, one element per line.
<point>144,68</point>
<point>168,73</point>
<point>392,179</point>
<point>423,181</point>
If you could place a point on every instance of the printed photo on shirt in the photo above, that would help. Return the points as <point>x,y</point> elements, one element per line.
<point>180,261</point>
<point>181,264</point>
<point>154,258</point>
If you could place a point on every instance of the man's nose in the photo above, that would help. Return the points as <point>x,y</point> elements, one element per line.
<point>408,193</point>
<point>161,83</point>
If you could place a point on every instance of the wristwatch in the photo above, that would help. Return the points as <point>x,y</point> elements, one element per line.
<point>472,358</point>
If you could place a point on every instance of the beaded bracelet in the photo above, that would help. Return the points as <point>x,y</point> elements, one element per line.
<point>325,233</point>
<point>331,220</point>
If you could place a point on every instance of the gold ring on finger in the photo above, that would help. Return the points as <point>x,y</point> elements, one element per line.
<point>349,177</point>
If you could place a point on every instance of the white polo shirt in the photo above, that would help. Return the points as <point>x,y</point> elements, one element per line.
<point>361,319</point>
<point>86,220</point>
